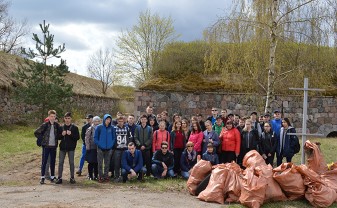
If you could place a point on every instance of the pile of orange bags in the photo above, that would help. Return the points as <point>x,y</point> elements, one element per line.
<point>260,183</point>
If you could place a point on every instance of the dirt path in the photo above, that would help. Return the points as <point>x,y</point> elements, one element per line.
<point>50,195</point>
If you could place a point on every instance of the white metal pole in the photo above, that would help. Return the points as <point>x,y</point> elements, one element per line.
<point>305,117</point>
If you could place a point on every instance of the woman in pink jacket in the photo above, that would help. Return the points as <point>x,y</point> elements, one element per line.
<point>196,137</point>
<point>159,136</point>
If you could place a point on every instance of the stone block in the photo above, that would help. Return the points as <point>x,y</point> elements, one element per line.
<point>285,104</point>
<point>192,104</point>
<point>163,104</point>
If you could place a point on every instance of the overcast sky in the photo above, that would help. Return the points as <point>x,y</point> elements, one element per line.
<point>85,26</point>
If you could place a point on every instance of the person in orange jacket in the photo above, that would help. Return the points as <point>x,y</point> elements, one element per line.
<point>230,143</point>
<point>159,136</point>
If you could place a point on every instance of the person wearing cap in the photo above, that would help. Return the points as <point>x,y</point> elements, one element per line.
<point>255,123</point>
<point>70,135</point>
<point>91,149</point>
<point>210,155</point>
<point>89,118</point>
<point>218,125</point>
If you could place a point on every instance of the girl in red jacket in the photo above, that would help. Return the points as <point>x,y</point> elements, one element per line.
<point>230,143</point>
<point>196,137</point>
<point>159,136</point>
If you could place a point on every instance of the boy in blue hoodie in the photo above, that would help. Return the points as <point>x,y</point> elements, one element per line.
<point>105,140</point>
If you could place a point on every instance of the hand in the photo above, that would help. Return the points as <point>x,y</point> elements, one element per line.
<point>164,173</point>
<point>68,132</point>
<point>198,158</point>
<point>264,156</point>
<point>64,133</point>
<point>210,140</point>
<point>133,173</point>
<point>237,155</point>
<point>142,148</point>
<point>164,166</point>
<point>269,154</point>
<point>204,140</point>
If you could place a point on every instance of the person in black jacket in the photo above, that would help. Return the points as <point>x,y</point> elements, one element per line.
<point>49,133</point>
<point>70,135</point>
<point>163,162</point>
<point>89,118</point>
<point>268,144</point>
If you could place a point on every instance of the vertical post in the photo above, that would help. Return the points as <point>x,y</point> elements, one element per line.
<point>305,117</point>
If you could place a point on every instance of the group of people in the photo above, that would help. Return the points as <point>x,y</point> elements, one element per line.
<point>154,146</point>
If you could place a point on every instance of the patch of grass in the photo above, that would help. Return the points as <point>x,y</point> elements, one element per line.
<point>124,92</point>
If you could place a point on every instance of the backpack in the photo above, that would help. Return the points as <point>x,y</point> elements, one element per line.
<point>40,138</point>
<point>297,146</point>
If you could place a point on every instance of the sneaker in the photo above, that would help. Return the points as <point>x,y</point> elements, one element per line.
<point>59,181</point>
<point>52,180</point>
<point>72,180</point>
<point>79,172</point>
<point>42,181</point>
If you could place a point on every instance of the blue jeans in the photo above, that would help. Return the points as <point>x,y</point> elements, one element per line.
<point>157,170</point>
<point>51,154</point>
<point>140,174</point>
<point>82,160</point>
<point>185,174</point>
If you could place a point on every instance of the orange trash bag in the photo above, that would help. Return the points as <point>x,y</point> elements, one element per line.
<point>214,190</point>
<point>309,174</point>
<point>253,188</point>
<point>253,159</point>
<point>330,178</point>
<point>315,157</point>
<point>290,181</point>
<point>320,195</point>
<point>273,191</point>
<point>198,173</point>
<point>232,190</point>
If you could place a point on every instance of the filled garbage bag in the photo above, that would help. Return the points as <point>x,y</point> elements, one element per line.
<point>253,159</point>
<point>315,159</point>
<point>320,195</point>
<point>253,187</point>
<point>290,181</point>
<point>308,174</point>
<point>198,174</point>
<point>232,190</point>
<point>215,187</point>
<point>273,190</point>
<point>330,178</point>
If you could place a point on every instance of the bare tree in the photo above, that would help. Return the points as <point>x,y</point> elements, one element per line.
<point>101,66</point>
<point>11,31</point>
<point>139,47</point>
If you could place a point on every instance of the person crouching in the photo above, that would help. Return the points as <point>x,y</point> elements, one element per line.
<point>163,162</point>
<point>188,160</point>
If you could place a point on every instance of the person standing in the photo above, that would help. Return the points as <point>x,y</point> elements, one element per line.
<point>201,122</point>
<point>143,140</point>
<point>255,123</point>
<point>230,143</point>
<point>163,162</point>
<point>159,136</point>
<point>70,135</point>
<point>210,136</point>
<point>196,137</point>
<point>132,163</point>
<point>48,132</point>
<point>218,125</point>
<point>91,149</point>
<point>105,140</point>
<point>89,118</point>
<point>286,145</point>
<point>123,138</point>
<point>214,115</point>
<point>268,144</point>
<point>132,126</point>
<point>178,142</point>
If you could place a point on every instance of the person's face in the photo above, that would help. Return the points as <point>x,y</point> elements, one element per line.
<point>253,117</point>
<point>229,125</point>
<point>159,117</point>
<point>241,123</point>
<point>107,121</point>
<point>178,125</point>
<point>277,115</point>
<point>284,124</point>
<point>231,118</point>
<point>164,149</point>
<point>195,127</point>
<point>52,118</point>
<point>96,122</point>
<point>260,119</point>
<point>163,116</point>
<point>151,122</point>
<point>162,126</point>
<point>67,120</point>
<point>89,120</point>
<point>120,122</point>
<point>248,125</point>
<point>132,149</point>
<point>177,118</point>
<point>199,118</point>
<point>267,127</point>
<point>214,111</point>
<point>210,149</point>
<point>208,126</point>
<point>189,147</point>
<point>183,124</point>
<point>218,122</point>
<point>149,110</point>
<point>266,119</point>
<point>223,113</point>
<point>236,119</point>
<point>131,120</point>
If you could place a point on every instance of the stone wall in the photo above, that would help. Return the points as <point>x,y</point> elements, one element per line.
<point>12,112</point>
<point>322,112</point>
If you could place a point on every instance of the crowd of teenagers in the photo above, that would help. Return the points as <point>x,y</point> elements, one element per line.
<point>154,146</point>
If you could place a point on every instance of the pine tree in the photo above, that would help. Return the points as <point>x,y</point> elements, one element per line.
<point>43,85</point>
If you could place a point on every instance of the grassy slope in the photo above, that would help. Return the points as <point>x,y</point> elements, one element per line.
<point>18,140</point>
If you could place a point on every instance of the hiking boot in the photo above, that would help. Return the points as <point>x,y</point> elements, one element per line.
<point>59,181</point>
<point>100,180</point>
<point>79,172</point>
<point>72,180</point>
<point>52,180</point>
<point>42,181</point>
